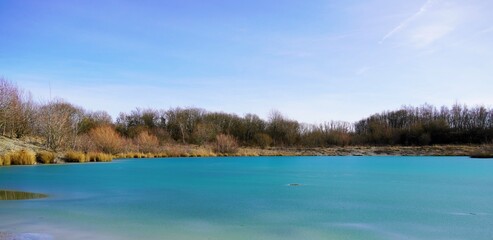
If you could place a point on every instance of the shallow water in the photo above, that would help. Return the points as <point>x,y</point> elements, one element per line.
<point>255,198</point>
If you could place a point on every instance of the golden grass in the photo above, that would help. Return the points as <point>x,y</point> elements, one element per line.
<point>45,157</point>
<point>22,157</point>
<point>246,152</point>
<point>99,157</point>
<point>175,151</point>
<point>73,156</point>
<point>6,160</point>
<point>202,152</point>
<point>141,155</point>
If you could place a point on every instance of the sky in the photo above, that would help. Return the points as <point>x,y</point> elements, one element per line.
<point>313,61</point>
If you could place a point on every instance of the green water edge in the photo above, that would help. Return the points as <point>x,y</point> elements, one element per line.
<point>18,195</point>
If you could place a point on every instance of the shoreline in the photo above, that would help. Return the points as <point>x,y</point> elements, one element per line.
<point>191,151</point>
<point>436,150</point>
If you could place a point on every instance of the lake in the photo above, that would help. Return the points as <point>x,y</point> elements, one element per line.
<point>255,198</point>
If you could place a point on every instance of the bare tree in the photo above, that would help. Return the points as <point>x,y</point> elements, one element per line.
<point>57,123</point>
<point>16,110</point>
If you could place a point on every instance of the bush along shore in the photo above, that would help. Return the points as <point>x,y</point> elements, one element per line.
<point>30,157</point>
<point>58,131</point>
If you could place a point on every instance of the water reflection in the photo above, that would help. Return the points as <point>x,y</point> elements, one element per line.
<point>16,195</point>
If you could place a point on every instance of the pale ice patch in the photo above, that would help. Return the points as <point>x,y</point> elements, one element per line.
<point>387,234</point>
<point>33,236</point>
<point>468,213</point>
<point>24,236</point>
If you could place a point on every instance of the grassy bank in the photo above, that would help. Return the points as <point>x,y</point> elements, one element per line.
<point>28,157</point>
<point>24,153</point>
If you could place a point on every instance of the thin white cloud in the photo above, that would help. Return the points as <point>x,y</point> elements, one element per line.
<point>435,22</point>
<point>486,30</point>
<point>362,70</point>
<point>404,23</point>
<point>426,35</point>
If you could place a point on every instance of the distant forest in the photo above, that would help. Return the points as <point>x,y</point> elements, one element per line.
<point>61,125</point>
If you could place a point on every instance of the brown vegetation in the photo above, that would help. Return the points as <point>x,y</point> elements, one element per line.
<point>107,140</point>
<point>225,144</point>
<point>99,157</point>
<point>193,132</point>
<point>146,142</point>
<point>73,156</point>
<point>21,157</point>
<point>45,157</point>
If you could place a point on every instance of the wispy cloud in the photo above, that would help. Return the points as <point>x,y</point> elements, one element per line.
<point>426,35</point>
<point>435,20</point>
<point>362,70</point>
<point>486,30</point>
<point>408,20</point>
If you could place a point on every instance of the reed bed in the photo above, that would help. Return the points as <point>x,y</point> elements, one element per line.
<point>74,156</point>
<point>99,157</point>
<point>21,157</point>
<point>45,157</point>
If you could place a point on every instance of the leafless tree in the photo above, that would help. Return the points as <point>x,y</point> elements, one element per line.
<point>58,123</point>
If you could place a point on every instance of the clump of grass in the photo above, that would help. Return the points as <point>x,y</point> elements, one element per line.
<point>102,157</point>
<point>45,157</point>
<point>140,155</point>
<point>151,155</point>
<point>6,160</point>
<point>202,152</point>
<point>161,155</point>
<point>99,157</point>
<point>125,155</point>
<point>244,152</point>
<point>73,156</point>
<point>176,151</point>
<point>22,157</point>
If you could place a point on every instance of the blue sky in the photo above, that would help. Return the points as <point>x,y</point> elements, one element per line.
<point>312,60</point>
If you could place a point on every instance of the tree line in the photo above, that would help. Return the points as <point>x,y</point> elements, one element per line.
<point>63,126</point>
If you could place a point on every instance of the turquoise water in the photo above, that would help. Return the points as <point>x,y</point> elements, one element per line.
<point>250,198</point>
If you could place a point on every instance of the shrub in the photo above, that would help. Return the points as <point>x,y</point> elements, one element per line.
<point>45,157</point>
<point>73,156</point>
<point>85,144</point>
<point>263,140</point>
<point>107,140</point>
<point>22,157</point>
<point>146,142</point>
<point>225,144</point>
